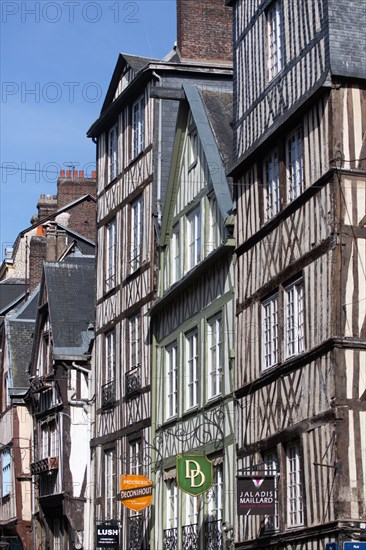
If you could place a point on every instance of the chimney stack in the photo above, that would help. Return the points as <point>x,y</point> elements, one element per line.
<point>204,30</point>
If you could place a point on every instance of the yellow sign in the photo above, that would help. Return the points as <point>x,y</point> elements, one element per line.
<point>136,491</point>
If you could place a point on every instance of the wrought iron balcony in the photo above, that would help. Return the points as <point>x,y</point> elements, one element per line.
<point>213,535</point>
<point>108,394</point>
<point>44,465</point>
<point>133,381</point>
<point>190,537</point>
<point>134,525</point>
<point>170,541</point>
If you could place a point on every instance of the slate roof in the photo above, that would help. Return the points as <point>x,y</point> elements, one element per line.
<point>137,62</point>
<point>11,291</point>
<point>219,109</point>
<point>70,287</point>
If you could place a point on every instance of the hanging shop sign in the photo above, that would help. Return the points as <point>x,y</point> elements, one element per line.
<point>136,491</point>
<point>255,496</point>
<point>351,545</point>
<point>107,536</point>
<point>194,474</point>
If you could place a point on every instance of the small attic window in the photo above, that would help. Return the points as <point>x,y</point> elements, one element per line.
<point>192,148</point>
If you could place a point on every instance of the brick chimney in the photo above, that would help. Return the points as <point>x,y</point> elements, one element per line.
<point>204,30</point>
<point>37,255</point>
<point>73,185</point>
<point>46,205</point>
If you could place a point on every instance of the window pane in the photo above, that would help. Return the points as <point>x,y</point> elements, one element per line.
<point>295,168</point>
<point>294,311</point>
<point>191,369</point>
<point>294,486</point>
<point>271,186</point>
<point>270,331</point>
<point>214,345</point>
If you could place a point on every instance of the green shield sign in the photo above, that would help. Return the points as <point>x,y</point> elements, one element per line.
<point>194,474</point>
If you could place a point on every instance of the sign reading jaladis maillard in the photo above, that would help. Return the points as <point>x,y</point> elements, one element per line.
<point>194,474</point>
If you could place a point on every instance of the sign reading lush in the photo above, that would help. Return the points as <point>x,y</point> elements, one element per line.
<point>194,474</point>
<point>107,535</point>
<point>256,496</point>
<point>136,491</point>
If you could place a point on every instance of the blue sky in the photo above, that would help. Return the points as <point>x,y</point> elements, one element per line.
<point>56,61</point>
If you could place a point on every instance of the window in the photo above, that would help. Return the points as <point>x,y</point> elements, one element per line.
<point>136,233</point>
<point>109,483</point>
<point>138,126</point>
<point>110,356</point>
<point>194,237</point>
<point>49,439</point>
<point>113,153</point>
<point>134,340</point>
<point>176,259</point>
<point>294,312</point>
<point>271,186</point>
<point>270,331</point>
<point>171,381</point>
<point>295,515</point>
<point>271,468</point>
<point>6,472</point>
<point>135,457</point>
<point>295,165</point>
<point>57,535</point>
<point>192,369</point>
<point>274,39</point>
<point>215,227</point>
<point>171,504</point>
<point>192,149</point>
<point>215,496</point>
<point>111,247</point>
<point>214,363</point>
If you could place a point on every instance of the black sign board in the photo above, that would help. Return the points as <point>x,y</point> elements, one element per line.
<point>256,496</point>
<point>107,535</point>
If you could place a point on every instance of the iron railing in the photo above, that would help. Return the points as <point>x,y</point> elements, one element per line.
<point>133,381</point>
<point>170,539</point>
<point>190,537</point>
<point>213,535</point>
<point>108,394</point>
<point>134,525</point>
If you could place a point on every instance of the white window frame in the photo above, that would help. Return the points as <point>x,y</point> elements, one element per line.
<point>110,356</point>
<point>192,149</point>
<point>135,457</point>
<point>171,370</point>
<point>214,226</point>
<point>215,501</point>
<point>271,180</point>
<point>171,504</point>
<point>138,126</point>
<point>111,254</point>
<point>214,356</point>
<point>191,356</point>
<point>5,472</point>
<point>274,39</point>
<point>176,254</point>
<point>113,160</point>
<point>137,214</point>
<point>271,468</point>
<point>134,340</point>
<point>294,318</point>
<point>194,237</point>
<point>294,488</point>
<point>270,331</point>
<point>295,164</point>
<point>110,482</point>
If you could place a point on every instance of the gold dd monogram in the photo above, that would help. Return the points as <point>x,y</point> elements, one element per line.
<point>193,472</point>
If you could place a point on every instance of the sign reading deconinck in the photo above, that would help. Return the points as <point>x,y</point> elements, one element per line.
<point>194,474</point>
<point>107,536</point>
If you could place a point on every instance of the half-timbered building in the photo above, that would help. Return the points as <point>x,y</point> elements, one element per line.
<point>193,327</point>
<point>58,399</point>
<point>134,135</point>
<point>299,171</point>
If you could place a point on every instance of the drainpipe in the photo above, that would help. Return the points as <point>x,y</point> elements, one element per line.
<point>160,129</point>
